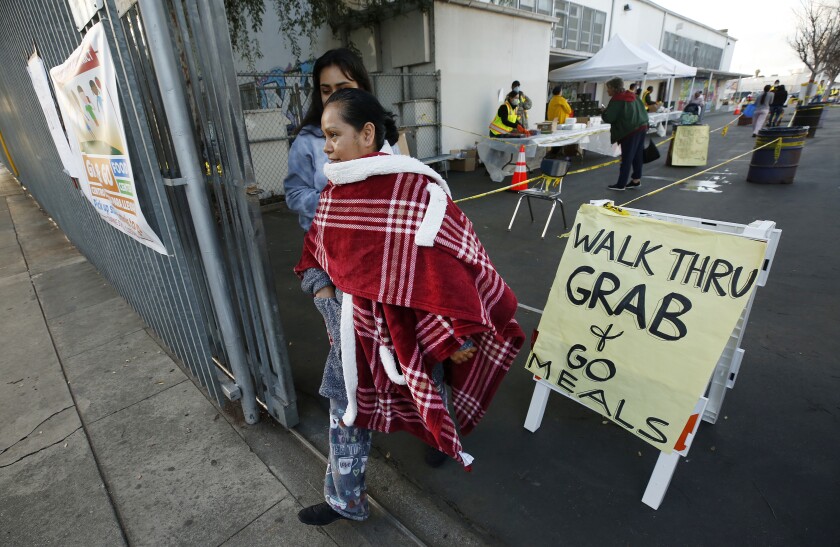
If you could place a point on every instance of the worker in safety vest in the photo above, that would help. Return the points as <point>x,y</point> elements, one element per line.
<point>506,123</point>
<point>525,103</point>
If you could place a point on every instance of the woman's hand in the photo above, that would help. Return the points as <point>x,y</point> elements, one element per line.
<point>326,292</point>
<point>462,355</point>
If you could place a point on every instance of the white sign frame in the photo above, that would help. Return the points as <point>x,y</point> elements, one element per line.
<point>728,365</point>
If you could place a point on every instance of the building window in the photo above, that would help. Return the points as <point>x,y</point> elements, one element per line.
<point>578,28</point>
<point>598,31</point>
<point>692,52</point>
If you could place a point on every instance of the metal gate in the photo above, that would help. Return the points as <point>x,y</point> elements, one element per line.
<point>211,299</point>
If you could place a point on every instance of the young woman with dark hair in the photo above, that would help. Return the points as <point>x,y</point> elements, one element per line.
<point>762,109</point>
<point>406,290</point>
<point>336,69</point>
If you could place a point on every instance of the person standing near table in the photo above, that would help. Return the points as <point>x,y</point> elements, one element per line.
<point>646,96</point>
<point>506,122</point>
<point>525,103</point>
<point>628,126</point>
<point>558,107</point>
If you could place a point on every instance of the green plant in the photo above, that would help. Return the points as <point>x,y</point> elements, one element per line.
<point>300,19</point>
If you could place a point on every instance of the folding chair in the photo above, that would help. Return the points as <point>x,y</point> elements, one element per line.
<point>547,188</point>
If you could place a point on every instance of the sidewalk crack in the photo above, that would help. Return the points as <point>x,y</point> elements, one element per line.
<point>138,402</point>
<point>34,429</point>
<point>40,449</point>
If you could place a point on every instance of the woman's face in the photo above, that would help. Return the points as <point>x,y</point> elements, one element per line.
<point>342,141</point>
<point>333,79</point>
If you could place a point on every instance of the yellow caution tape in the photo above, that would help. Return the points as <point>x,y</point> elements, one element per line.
<point>497,190</point>
<point>725,131</point>
<point>617,210</point>
<point>730,160</point>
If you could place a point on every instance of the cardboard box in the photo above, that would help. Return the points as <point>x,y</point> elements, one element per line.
<point>582,119</point>
<point>466,160</point>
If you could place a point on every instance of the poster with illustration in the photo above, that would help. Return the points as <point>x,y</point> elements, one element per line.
<point>638,316</point>
<point>86,90</point>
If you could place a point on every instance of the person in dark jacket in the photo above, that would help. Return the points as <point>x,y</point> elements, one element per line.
<point>628,126</point>
<point>777,107</point>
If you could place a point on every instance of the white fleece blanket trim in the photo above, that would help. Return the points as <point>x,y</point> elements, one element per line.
<point>348,358</point>
<point>467,458</point>
<point>433,218</point>
<point>346,172</point>
<point>390,365</point>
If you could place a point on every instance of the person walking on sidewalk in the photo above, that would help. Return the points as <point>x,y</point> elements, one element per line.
<point>777,107</point>
<point>628,126</point>
<point>762,109</point>
<point>397,315</point>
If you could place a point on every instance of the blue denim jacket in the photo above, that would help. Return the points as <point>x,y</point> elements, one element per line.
<point>306,177</point>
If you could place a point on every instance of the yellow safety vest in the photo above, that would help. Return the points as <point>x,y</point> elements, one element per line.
<point>498,128</point>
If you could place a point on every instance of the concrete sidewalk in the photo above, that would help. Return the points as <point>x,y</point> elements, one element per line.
<point>104,440</point>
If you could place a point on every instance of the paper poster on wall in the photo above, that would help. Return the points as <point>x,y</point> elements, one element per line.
<point>86,90</point>
<point>638,316</point>
<point>70,159</point>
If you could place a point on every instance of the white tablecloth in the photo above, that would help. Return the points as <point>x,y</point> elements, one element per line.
<point>654,119</point>
<point>499,155</point>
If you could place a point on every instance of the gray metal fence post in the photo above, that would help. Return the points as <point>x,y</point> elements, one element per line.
<point>174,102</point>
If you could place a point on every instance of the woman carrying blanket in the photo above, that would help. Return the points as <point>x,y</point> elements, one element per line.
<point>416,287</point>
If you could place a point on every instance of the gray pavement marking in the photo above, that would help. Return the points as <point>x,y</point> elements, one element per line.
<point>529,308</point>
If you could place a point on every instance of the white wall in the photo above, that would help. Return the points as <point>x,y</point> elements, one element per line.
<point>479,52</point>
<point>647,22</point>
<point>643,23</point>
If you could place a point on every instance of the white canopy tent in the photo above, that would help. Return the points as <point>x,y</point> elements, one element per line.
<point>674,68</point>
<point>624,60</point>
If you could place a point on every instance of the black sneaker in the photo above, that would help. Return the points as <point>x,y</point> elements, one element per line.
<point>616,187</point>
<point>631,184</point>
<point>319,515</point>
<point>434,457</point>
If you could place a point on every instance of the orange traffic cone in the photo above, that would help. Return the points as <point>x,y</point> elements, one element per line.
<point>737,109</point>
<point>520,173</point>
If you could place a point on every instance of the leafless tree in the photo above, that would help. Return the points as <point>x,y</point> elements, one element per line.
<point>817,36</point>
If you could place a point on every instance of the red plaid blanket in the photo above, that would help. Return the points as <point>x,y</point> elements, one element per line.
<point>419,283</point>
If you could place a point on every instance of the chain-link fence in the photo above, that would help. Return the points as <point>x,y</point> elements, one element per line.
<point>276,102</point>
